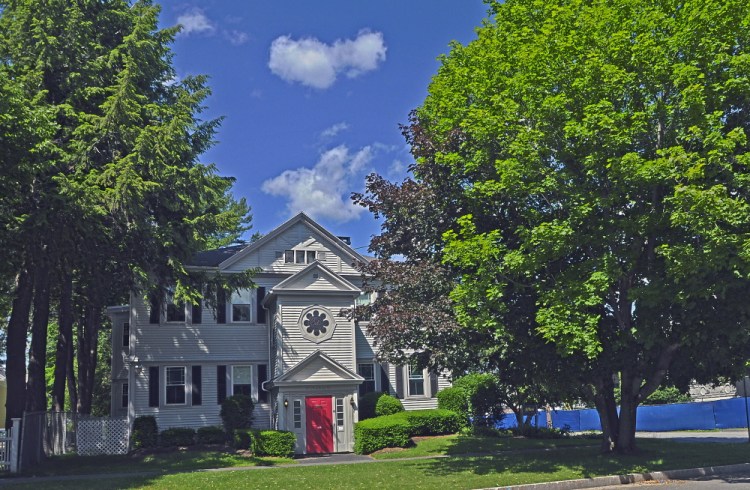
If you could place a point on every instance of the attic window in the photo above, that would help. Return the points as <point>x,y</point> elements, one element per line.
<point>300,256</point>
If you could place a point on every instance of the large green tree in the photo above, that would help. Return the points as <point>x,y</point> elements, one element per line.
<point>600,153</point>
<point>111,195</point>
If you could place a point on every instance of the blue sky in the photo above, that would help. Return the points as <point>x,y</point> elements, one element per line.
<point>313,93</point>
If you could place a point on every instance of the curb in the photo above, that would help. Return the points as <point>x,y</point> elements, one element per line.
<point>606,481</point>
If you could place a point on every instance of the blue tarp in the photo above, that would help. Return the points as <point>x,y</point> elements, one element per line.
<point>721,414</point>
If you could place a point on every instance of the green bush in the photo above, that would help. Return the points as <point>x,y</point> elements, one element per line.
<point>242,438</point>
<point>145,432</point>
<point>455,400</point>
<point>396,429</point>
<point>431,422</point>
<point>666,394</point>
<point>373,434</point>
<point>210,435</point>
<point>274,443</point>
<point>542,432</point>
<point>367,403</point>
<point>484,395</point>
<point>388,405</point>
<point>237,412</point>
<point>484,431</point>
<point>177,436</point>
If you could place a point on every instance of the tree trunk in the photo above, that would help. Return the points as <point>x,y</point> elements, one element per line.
<point>88,334</point>
<point>71,377</point>
<point>629,388</point>
<point>64,341</point>
<point>18,328</point>
<point>604,399</point>
<point>36,388</point>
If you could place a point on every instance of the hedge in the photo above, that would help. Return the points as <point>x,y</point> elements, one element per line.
<point>395,430</point>
<point>388,405</point>
<point>274,443</point>
<point>373,434</point>
<point>455,400</point>
<point>237,412</point>
<point>177,436</point>
<point>242,438</point>
<point>432,422</point>
<point>367,404</point>
<point>145,432</point>
<point>210,435</point>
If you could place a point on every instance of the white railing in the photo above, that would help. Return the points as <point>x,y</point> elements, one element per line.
<point>9,445</point>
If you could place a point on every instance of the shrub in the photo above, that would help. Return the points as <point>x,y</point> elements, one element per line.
<point>242,438</point>
<point>666,394</point>
<point>542,432</point>
<point>145,432</point>
<point>484,394</point>
<point>210,435</point>
<point>431,422</point>
<point>455,400</point>
<point>237,412</point>
<point>388,405</point>
<point>274,443</point>
<point>367,403</point>
<point>380,432</point>
<point>177,436</point>
<point>484,431</point>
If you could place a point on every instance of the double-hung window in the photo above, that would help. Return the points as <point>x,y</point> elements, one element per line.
<point>124,396</point>
<point>242,306</point>
<point>242,380</point>
<point>416,381</point>
<point>175,385</point>
<point>367,371</point>
<point>175,310</point>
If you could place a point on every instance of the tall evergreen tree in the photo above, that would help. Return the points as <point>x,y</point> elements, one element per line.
<point>116,197</point>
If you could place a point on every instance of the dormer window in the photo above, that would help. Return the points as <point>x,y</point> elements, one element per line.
<point>300,256</point>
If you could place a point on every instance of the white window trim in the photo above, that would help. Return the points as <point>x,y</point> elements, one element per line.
<point>375,374</point>
<point>301,414</point>
<point>185,386</point>
<point>124,394</point>
<point>230,312</point>
<point>426,387</point>
<point>305,252</point>
<point>253,380</point>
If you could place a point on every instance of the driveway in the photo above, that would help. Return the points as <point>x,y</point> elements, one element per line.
<point>725,435</point>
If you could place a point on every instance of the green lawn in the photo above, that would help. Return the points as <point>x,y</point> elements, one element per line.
<point>456,472</point>
<point>168,462</point>
<point>455,445</point>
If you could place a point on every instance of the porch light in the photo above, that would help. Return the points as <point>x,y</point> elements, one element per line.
<point>286,403</point>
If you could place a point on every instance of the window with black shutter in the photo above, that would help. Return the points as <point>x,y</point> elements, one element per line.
<point>261,312</point>
<point>126,334</point>
<point>399,382</point>
<point>221,306</point>
<point>197,316</point>
<point>197,386</point>
<point>154,314</point>
<point>262,371</point>
<point>221,383</point>
<point>153,386</point>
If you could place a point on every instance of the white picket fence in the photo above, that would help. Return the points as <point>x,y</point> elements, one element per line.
<point>9,447</point>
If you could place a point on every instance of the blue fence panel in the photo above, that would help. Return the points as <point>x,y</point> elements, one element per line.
<point>571,418</point>
<point>730,413</point>
<point>678,416</point>
<point>590,420</point>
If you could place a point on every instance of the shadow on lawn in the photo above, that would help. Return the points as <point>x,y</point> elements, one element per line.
<point>585,462</point>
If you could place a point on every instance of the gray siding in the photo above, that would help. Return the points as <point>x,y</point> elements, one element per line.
<point>294,347</point>
<point>299,236</point>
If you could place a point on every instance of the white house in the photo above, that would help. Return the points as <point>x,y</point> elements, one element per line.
<point>289,343</point>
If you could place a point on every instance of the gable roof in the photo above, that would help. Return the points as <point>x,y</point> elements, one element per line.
<point>345,375</point>
<point>212,258</point>
<point>288,284</point>
<point>300,218</point>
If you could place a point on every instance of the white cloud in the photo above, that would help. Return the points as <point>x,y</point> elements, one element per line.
<point>323,191</point>
<point>397,168</point>
<point>195,21</point>
<point>236,37</point>
<point>316,64</point>
<point>334,130</point>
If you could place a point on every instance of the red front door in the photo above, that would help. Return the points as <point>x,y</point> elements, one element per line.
<point>319,415</point>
